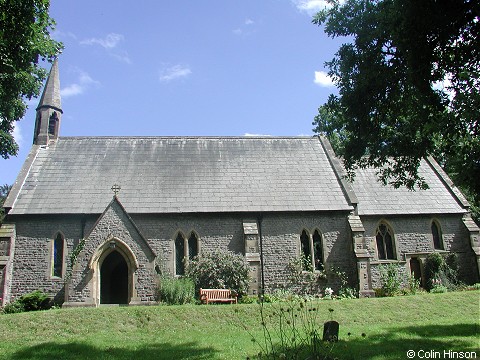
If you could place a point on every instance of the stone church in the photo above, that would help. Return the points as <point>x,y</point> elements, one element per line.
<point>92,220</point>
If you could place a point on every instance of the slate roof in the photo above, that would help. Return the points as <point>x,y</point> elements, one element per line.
<point>51,92</point>
<point>377,199</point>
<point>178,175</point>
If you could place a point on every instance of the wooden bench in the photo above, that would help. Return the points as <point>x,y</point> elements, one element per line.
<point>218,295</point>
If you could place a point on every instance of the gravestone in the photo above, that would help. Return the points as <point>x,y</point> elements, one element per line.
<point>330,331</point>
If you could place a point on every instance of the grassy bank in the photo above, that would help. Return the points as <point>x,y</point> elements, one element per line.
<point>369,329</point>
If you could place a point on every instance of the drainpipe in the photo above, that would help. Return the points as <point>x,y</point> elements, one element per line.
<point>260,219</point>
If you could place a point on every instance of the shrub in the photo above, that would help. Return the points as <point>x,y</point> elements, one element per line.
<point>413,285</point>
<point>441,269</point>
<point>438,289</point>
<point>303,280</point>
<point>176,291</point>
<point>33,301</point>
<point>219,270</point>
<point>391,279</point>
<point>248,299</point>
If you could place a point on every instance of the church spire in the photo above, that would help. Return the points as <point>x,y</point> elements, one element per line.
<point>49,110</point>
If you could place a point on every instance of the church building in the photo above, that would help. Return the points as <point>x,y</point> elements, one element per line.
<point>93,220</point>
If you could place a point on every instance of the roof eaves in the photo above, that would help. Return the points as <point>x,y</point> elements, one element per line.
<point>445,179</point>
<point>22,176</point>
<point>339,172</point>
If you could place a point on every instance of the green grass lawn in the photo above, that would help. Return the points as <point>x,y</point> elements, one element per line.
<point>390,327</point>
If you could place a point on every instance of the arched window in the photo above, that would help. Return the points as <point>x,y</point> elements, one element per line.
<point>179,255</point>
<point>52,123</point>
<point>312,250</point>
<point>192,246</point>
<point>437,236</point>
<point>385,245</point>
<point>317,250</point>
<point>305,242</point>
<point>57,256</point>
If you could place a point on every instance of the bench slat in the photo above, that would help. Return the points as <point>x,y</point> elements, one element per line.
<point>217,295</point>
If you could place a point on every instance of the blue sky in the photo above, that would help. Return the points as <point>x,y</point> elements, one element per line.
<point>165,68</point>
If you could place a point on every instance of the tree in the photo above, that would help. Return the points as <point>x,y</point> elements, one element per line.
<point>24,42</point>
<point>408,82</point>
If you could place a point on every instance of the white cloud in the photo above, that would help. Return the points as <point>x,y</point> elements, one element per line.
<point>110,41</point>
<point>111,44</point>
<point>255,135</point>
<point>174,72</point>
<point>311,7</point>
<point>122,56</point>
<point>61,35</point>
<point>323,79</point>
<point>17,134</point>
<point>83,83</point>
<point>243,30</point>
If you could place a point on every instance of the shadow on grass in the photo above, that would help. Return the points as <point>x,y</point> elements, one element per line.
<point>395,342</point>
<point>80,351</point>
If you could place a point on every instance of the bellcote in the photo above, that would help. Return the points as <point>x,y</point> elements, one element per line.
<point>49,110</point>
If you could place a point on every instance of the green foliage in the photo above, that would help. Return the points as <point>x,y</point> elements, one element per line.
<point>176,291</point>
<point>391,110</point>
<point>33,301</point>
<point>248,299</point>
<point>291,330</point>
<point>24,40</point>
<point>413,285</point>
<point>219,270</point>
<point>391,279</point>
<point>438,289</point>
<point>441,270</point>
<point>347,293</point>
<point>302,280</point>
<point>73,258</point>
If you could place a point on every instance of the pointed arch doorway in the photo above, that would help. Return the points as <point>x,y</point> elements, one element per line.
<point>114,279</point>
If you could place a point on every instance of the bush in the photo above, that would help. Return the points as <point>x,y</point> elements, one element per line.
<point>391,279</point>
<point>248,299</point>
<point>438,289</point>
<point>176,291</point>
<point>219,270</point>
<point>413,285</point>
<point>33,301</point>
<point>302,279</point>
<point>441,269</point>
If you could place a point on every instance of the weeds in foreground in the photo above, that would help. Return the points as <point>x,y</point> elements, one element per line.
<point>291,330</point>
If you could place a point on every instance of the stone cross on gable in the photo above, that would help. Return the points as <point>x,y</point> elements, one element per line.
<point>116,189</point>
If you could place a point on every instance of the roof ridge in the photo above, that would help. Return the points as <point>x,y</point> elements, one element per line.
<point>193,137</point>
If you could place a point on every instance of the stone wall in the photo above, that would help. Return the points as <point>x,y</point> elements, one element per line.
<point>33,254</point>
<point>280,243</point>
<point>114,231</point>
<point>413,235</point>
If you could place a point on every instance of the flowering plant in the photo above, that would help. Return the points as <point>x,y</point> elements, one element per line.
<point>328,293</point>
